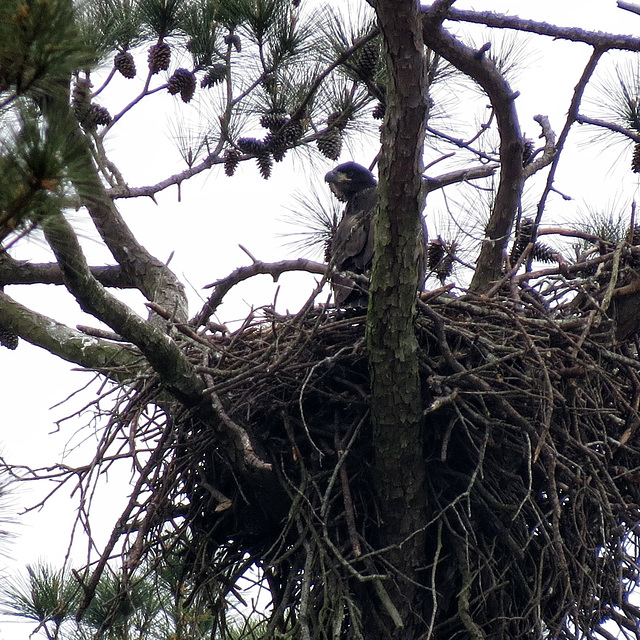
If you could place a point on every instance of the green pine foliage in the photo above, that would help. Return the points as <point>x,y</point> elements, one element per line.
<point>155,604</point>
<point>40,171</point>
<point>41,46</point>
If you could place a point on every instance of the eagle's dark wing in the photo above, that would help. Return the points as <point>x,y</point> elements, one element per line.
<point>352,247</point>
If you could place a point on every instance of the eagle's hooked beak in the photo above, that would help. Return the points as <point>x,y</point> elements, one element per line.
<point>335,178</point>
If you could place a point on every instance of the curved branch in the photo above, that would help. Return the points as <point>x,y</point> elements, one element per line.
<point>274,269</point>
<point>162,353</point>
<point>477,66</point>
<point>549,151</point>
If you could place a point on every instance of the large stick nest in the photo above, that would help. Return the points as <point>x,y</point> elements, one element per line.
<point>530,445</point>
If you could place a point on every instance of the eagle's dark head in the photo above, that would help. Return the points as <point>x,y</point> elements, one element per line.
<point>348,179</point>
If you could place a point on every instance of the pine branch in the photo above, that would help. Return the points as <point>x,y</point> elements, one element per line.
<point>597,39</point>
<point>616,128</point>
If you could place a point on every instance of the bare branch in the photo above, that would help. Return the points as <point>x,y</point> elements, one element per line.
<point>22,272</point>
<point>571,118</point>
<point>274,269</point>
<point>459,142</point>
<point>628,6</point>
<point>120,362</point>
<point>462,175</point>
<point>596,39</point>
<point>238,434</point>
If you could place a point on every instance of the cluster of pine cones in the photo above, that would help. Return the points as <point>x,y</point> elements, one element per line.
<point>284,132</point>
<point>182,81</point>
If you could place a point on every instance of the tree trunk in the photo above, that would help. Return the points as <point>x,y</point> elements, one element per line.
<point>393,362</point>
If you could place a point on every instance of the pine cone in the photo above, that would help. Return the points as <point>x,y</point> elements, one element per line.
<point>231,161</point>
<point>93,116</point>
<point>214,75</point>
<point>543,252</point>
<point>435,253</point>
<point>292,132</point>
<point>367,59</point>
<point>635,236</point>
<point>270,82</point>
<point>183,81</point>
<point>440,258</point>
<point>330,143</point>
<point>379,111</point>
<point>233,39</point>
<point>264,164</point>
<point>125,64</point>
<point>8,339</point>
<point>273,121</point>
<point>276,145</point>
<point>159,57</point>
<point>525,233</point>
<point>337,119</point>
<point>635,163</point>
<point>527,152</point>
<point>251,146</point>
<point>327,250</point>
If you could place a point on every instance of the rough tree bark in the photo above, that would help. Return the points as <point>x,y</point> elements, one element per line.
<point>393,362</point>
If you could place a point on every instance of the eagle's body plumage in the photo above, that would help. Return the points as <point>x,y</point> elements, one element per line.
<point>352,245</point>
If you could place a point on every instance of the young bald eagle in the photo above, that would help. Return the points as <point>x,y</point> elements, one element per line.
<point>352,245</point>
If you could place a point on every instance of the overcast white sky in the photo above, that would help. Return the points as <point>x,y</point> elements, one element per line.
<point>247,210</point>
